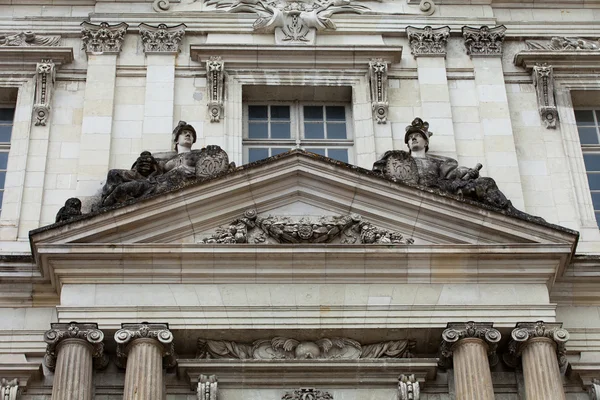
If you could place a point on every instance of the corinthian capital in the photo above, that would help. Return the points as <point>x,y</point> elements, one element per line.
<point>162,38</point>
<point>428,41</point>
<point>73,330</point>
<point>540,329</point>
<point>484,41</point>
<point>160,332</point>
<point>103,38</point>
<point>455,331</point>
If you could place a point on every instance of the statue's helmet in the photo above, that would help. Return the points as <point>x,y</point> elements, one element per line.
<point>421,127</point>
<point>183,126</point>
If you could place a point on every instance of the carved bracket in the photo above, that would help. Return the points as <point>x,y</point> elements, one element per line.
<point>543,79</point>
<point>594,390</point>
<point>428,41</point>
<point>307,394</point>
<point>528,330</point>
<point>103,38</point>
<point>484,41</point>
<point>73,330</point>
<point>162,39</point>
<point>207,387</point>
<point>456,331</point>
<point>379,89</point>
<point>129,332</point>
<point>9,389</point>
<point>408,388</point>
<point>44,87</point>
<point>215,76</point>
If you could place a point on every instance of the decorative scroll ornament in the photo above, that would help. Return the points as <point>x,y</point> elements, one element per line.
<point>307,394</point>
<point>408,388</point>
<point>215,74</point>
<point>564,43</point>
<point>379,85</point>
<point>543,79</point>
<point>9,389</point>
<point>457,331</point>
<point>130,332</point>
<point>103,38</point>
<point>251,228</point>
<point>594,390</point>
<point>44,86</point>
<point>484,41</point>
<point>73,330</point>
<point>529,330</point>
<point>281,348</point>
<point>428,41</point>
<point>161,38</point>
<point>207,387</point>
<point>26,39</point>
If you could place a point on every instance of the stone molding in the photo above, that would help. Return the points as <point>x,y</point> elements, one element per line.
<point>103,38</point>
<point>129,332</point>
<point>543,79</point>
<point>44,88</point>
<point>207,387</point>
<point>540,329</point>
<point>484,41</point>
<point>307,394</point>
<point>161,39</point>
<point>408,388</point>
<point>378,78</point>
<point>455,331</point>
<point>9,389</point>
<point>215,76</point>
<point>27,39</point>
<point>88,332</point>
<point>428,41</point>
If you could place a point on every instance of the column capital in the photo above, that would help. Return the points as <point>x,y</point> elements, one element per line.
<point>428,41</point>
<point>484,41</point>
<point>87,332</point>
<point>103,38</point>
<point>456,331</point>
<point>526,331</point>
<point>158,333</point>
<point>161,39</point>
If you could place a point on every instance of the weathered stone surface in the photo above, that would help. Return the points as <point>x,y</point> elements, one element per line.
<point>70,210</point>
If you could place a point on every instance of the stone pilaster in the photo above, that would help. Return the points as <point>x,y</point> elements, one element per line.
<point>147,348</point>
<point>473,348</point>
<point>73,350</point>
<point>542,348</point>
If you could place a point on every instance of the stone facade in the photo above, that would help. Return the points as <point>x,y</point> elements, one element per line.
<point>455,256</point>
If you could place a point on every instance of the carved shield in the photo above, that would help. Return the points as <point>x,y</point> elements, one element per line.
<point>401,166</point>
<point>212,161</point>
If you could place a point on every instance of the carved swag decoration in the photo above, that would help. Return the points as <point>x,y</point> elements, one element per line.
<point>281,348</point>
<point>251,228</point>
<point>564,43</point>
<point>27,39</point>
<point>307,394</point>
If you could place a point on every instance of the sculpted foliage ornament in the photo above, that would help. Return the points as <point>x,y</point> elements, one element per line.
<point>27,39</point>
<point>73,330</point>
<point>408,388</point>
<point>44,87</point>
<point>564,44</point>
<point>543,79</point>
<point>484,41</point>
<point>161,38</point>
<point>379,94</point>
<point>9,389</point>
<point>160,332</point>
<point>428,41</point>
<point>460,330</point>
<point>207,387</point>
<point>103,38</point>
<point>281,348</point>
<point>307,394</point>
<point>215,76</point>
<point>252,228</point>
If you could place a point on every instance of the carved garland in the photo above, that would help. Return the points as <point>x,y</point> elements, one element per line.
<point>543,79</point>
<point>428,41</point>
<point>215,75</point>
<point>44,87</point>
<point>379,84</point>
<point>484,41</point>
<point>28,38</point>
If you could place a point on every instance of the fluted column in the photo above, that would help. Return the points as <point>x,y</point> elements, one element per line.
<point>72,351</point>
<point>473,348</point>
<point>144,346</point>
<point>542,348</point>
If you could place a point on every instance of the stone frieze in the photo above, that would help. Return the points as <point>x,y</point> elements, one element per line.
<point>564,43</point>
<point>307,394</point>
<point>27,39</point>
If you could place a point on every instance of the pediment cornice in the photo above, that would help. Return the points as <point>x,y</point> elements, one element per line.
<point>563,61</point>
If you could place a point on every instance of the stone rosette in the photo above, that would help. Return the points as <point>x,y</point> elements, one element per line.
<point>455,331</point>
<point>88,332</point>
<point>130,332</point>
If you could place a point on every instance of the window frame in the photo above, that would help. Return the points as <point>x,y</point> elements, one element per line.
<point>590,149</point>
<point>5,147</point>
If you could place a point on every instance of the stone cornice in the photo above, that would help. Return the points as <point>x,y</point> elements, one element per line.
<point>87,332</point>
<point>562,61</point>
<point>24,60</point>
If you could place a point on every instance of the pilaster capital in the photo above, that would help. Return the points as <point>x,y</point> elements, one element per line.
<point>87,332</point>
<point>9,389</point>
<point>525,331</point>
<point>484,41</point>
<point>103,38</point>
<point>594,389</point>
<point>159,333</point>
<point>408,388</point>
<point>207,387</point>
<point>428,41</point>
<point>455,331</point>
<point>161,39</point>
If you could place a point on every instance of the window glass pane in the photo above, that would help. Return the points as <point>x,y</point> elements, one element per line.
<point>280,130</point>
<point>278,150</point>
<point>258,130</point>
<point>7,115</point>
<point>588,135</point>
<point>3,159</point>
<point>2,179</point>
<point>336,113</point>
<point>592,162</point>
<point>280,112</point>
<point>313,113</point>
<point>338,154</point>
<point>1,197</point>
<point>313,131</point>
<point>5,131</point>
<point>257,153</point>
<point>596,200</point>
<point>336,130</point>
<point>594,180</point>
<point>584,117</point>
<point>320,152</point>
<point>257,112</point>
<point>598,219</point>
